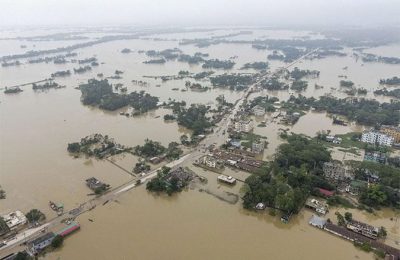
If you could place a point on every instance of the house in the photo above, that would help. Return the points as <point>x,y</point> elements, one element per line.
<point>243,126</point>
<point>156,159</point>
<point>373,137</point>
<point>42,242</point>
<point>15,219</point>
<point>393,131</point>
<point>317,206</point>
<point>227,179</point>
<point>336,172</point>
<point>257,146</point>
<point>258,110</point>
<point>363,229</point>
<point>326,193</point>
<point>375,157</point>
<point>317,222</point>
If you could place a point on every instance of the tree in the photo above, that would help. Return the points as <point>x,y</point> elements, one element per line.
<point>348,216</point>
<point>22,256</point>
<point>340,219</point>
<point>382,233</point>
<point>184,139</point>
<point>35,215</point>
<point>57,241</point>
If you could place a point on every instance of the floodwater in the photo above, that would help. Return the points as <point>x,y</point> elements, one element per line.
<point>193,225</point>
<point>35,167</point>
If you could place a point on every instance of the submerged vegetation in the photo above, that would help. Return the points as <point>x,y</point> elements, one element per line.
<point>100,93</point>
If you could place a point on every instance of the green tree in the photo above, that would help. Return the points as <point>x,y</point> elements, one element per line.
<point>340,219</point>
<point>348,216</point>
<point>57,241</point>
<point>35,215</point>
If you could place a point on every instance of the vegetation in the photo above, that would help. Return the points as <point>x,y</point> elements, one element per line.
<point>346,83</point>
<point>12,90</point>
<point>57,241</point>
<point>155,61</point>
<point>391,81</point>
<point>141,167</point>
<point>293,175</point>
<point>265,102</point>
<point>47,85</point>
<point>299,85</point>
<point>81,70</point>
<point>35,215</point>
<point>100,93</point>
<point>96,145</point>
<point>149,149</point>
<point>260,65</point>
<point>232,81</point>
<point>2,194</point>
<point>273,83</point>
<point>62,73</point>
<point>363,111</point>
<point>22,256</point>
<point>194,118</point>
<point>169,181</point>
<point>390,93</point>
<point>298,74</point>
<point>218,64</point>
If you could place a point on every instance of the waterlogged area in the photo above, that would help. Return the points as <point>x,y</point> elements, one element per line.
<point>204,221</point>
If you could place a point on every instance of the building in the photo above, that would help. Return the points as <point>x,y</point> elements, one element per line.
<point>333,139</point>
<point>42,242</point>
<point>243,126</point>
<point>375,157</point>
<point>326,193</point>
<point>15,219</point>
<point>336,171</point>
<point>373,137</point>
<point>209,161</point>
<point>363,229</point>
<point>393,131</point>
<point>355,187</point>
<point>257,146</point>
<point>227,179</point>
<point>317,222</point>
<point>74,226</point>
<point>258,110</point>
<point>317,206</point>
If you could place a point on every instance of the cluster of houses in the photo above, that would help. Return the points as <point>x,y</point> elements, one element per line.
<point>95,185</point>
<point>317,206</point>
<point>218,158</point>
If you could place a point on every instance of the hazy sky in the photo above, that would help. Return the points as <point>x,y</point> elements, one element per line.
<point>200,12</point>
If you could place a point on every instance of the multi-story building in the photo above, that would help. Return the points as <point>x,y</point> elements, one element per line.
<point>210,161</point>
<point>393,131</point>
<point>373,137</point>
<point>258,110</point>
<point>243,126</point>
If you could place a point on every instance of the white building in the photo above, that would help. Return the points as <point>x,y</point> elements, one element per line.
<point>14,219</point>
<point>210,161</point>
<point>243,126</point>
<point>373,137</point>
<point>258,110</point>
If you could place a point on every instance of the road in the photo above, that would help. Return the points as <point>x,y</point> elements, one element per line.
<point>217,138</point>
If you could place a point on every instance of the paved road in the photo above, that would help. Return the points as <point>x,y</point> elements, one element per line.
<point>217,138</point>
